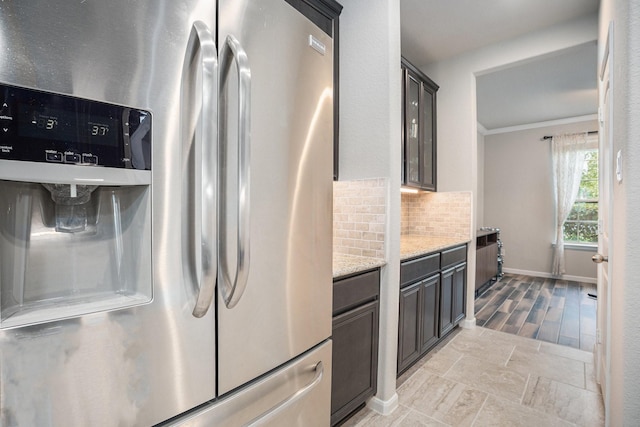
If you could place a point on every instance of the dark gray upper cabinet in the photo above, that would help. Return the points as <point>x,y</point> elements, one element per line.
<point>418,129</point>
<point>323,13</point>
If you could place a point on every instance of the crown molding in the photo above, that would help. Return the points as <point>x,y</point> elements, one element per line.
<point>569,120</point>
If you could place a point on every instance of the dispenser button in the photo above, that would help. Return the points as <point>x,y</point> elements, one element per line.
<point>54,156</point>
<point>71,158</point>
<point>90,159</point>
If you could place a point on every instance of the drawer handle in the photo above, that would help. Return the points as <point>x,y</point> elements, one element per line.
<point>261,419</point>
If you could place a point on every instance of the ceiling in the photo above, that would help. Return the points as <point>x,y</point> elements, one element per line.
<point>548,88</point>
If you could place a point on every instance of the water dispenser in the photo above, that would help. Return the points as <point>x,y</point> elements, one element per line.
<point>75,206</point>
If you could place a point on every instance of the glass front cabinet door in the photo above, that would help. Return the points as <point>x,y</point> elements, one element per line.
<point>419,129</point>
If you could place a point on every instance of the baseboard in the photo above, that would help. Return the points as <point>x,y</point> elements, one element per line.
<point>383,407</point>
<point>468,323</point>
<point>550,276</point>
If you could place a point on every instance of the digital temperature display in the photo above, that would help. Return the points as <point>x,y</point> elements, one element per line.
<point>102,130</point>
<point>98,129</point>
<point>39,126</point>
<point>62,125</point>
<point>46,122</point>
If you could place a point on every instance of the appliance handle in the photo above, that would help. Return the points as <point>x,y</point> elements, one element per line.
<point>232,290</point>
<point>284,404</point>
<point>205,174</point>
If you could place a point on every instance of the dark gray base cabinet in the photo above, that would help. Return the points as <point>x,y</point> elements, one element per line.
<point>418,322</point>
<point>409,325</point>
<point>453,297</point>
<point>430,308</point>
<point>459,292</point>
<point>355,343</point>
<point>432,302</point>
<point>446,302</point>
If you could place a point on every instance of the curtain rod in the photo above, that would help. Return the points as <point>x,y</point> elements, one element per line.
<point>591,132</point>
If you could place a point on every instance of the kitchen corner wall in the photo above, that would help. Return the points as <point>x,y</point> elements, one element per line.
<point>360,217</point>
<point>437,214</point>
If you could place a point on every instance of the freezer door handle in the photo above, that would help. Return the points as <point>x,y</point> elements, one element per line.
<point>206,146</point>
<point>284,404</point>
<point>232,290</point>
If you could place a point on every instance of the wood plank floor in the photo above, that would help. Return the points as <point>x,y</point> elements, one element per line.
<point>552,310</point>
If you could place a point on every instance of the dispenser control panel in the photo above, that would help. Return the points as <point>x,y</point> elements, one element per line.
<point>39,126</point>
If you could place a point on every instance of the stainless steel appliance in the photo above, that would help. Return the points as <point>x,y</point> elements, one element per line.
<point>165,213</point>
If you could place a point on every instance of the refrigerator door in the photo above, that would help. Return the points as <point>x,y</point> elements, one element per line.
<point>133,366</point>
<point>296,394</point>
<point>283,307</point>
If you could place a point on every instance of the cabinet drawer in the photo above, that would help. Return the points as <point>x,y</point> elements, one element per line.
<point>454,256</point>
<point>416,269</point>
<point>355,290</point>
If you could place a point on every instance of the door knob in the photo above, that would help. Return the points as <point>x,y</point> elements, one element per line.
<point>597,258</point>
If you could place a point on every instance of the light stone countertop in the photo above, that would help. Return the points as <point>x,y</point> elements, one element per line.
<point>414,245</point>
<point>344,264</point>
<point>411,246</point>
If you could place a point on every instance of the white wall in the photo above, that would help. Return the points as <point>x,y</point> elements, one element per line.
<point>519,199</point>
<point>457,117</point>
<point>370,132</point>
<point>457,95</point>
<point>370,128</point>
<point>480,196</point>
<point>623,403</point>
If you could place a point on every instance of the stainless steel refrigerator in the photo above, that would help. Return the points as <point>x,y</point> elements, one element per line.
<point>165,213</point>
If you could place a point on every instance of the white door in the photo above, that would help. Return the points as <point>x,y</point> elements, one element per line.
<point>603,348</point>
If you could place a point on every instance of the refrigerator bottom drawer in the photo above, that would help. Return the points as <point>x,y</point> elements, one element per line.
<point>296,394</point>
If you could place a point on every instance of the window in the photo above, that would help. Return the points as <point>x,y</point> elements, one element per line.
<point>581,225</point>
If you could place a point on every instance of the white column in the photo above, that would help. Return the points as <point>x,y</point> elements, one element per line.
<point>370,136</point>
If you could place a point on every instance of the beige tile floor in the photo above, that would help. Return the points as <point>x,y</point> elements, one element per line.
<point>483,377</point>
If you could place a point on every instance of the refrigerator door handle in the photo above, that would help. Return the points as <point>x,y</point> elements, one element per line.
<point>205,176</point>
<point>284,404</point>
<point>232,51</point>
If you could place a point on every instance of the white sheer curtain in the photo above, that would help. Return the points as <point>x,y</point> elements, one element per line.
<point>568,153</point>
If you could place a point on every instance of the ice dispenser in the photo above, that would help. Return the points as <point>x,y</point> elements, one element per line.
<point>75,207</point>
